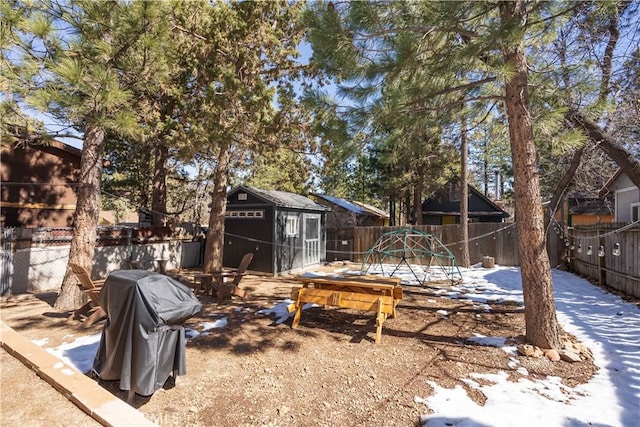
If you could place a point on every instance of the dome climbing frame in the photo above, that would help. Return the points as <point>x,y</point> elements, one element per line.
<point>422,253</point>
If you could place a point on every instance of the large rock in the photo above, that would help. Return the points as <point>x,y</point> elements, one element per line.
<point>577,348</point>
<point>552,354</point>
<point>569,356</point>
<point>529,350</point>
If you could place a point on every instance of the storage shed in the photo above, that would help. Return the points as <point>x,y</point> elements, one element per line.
<point>285,231</point>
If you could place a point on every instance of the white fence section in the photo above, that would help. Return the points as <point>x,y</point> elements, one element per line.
<point>42,268</point>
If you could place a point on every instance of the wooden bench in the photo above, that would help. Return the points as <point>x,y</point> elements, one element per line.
<point>368,293</point>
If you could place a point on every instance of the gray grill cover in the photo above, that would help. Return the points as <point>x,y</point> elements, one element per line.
<point>142,342</point>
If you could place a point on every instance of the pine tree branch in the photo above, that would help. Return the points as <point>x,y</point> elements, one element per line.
<point>463,87</point>
<point>30,136</point>
<point>551,18</point>
<point>564,184</point>
<point>455,103</point>
<point>191,33</point>
<point>279,69</point>
<point>415,29</point>
<point>629,164</point>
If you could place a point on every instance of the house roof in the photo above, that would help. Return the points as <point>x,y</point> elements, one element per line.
<point>281,198</point>
<point>49,145</point>
<point>66,147</point>
<point>605,189</point>
<point>588,206</point>
<point>438,204</point>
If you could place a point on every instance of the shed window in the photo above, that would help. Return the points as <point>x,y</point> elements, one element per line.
<point>292,226</point>
<point>242,196</point>
<point>244,214</point>
<point>635,212</point>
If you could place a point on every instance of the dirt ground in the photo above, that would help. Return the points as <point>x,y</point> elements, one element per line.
<point>256,372</point>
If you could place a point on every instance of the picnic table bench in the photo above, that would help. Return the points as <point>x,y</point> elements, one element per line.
<point>368,293</point>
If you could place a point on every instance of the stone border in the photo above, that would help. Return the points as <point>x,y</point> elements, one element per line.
<point>85,393</point>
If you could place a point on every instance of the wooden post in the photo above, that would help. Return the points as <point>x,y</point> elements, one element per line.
<point>380,318</point>
<point>602,273</point>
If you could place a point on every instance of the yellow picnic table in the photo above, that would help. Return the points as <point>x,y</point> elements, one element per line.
<point>368,293</point>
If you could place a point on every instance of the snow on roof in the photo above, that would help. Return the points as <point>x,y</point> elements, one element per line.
<point>345,204</point>
<point>372,209</point>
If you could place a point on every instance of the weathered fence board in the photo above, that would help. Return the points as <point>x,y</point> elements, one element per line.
<point>498,240</point>
<point>592,255</point>
<point>340,244</point>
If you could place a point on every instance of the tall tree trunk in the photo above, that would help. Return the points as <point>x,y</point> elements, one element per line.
<point>629,164</point>
<point>485,166</point>
<point>463,236</point>
<point>540,313</point>
<point>215,235</point>
<point>392,211</point>
<point>407,207</point>
<point>85,222</point>
<point>159,193</point>
<point>417,204</point>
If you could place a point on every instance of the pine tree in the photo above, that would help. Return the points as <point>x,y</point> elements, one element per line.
<point>435,43</point>
<point>71,60</point>
<point>236,58</point>
<point>590,35</point>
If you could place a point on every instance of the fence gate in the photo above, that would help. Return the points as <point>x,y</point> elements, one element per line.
<point>311,239</point>
<point>6,260</point>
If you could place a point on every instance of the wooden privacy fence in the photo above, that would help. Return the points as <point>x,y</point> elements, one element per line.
<point>498,240</point>
<point>340,244</point>
<point>608,253</point>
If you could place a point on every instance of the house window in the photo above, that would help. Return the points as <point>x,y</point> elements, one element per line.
<point>448,219</point>
<point>635,212</point>
<point>242,196</point>
<point>292,226</point>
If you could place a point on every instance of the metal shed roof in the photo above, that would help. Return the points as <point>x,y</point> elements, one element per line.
<point>345,204</point>
<point>282,198</point>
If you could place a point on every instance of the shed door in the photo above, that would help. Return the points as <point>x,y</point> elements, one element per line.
<point>311,232</point>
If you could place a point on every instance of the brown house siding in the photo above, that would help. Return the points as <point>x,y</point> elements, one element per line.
<point>37,185</point>
<point>586,216</point>
<point>587,219</point>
